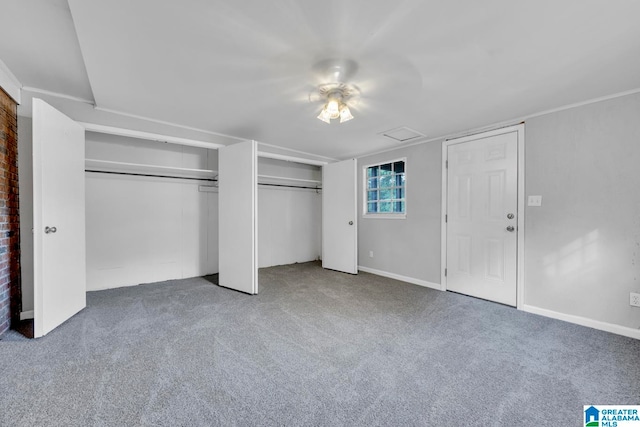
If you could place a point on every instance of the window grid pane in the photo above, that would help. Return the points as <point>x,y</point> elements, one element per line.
<point>398,167</point>
<point>386,188</point>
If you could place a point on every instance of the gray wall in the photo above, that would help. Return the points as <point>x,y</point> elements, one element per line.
<point>408,247</point>
<point>582,246</point>
<point>582,253</point>
<point>25,178</point>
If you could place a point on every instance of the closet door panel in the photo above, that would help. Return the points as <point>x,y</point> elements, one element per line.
<point>238,217</point>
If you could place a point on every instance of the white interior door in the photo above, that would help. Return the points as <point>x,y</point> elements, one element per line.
<point>238,217</point>
<point>482,212</point>
<point>58,218</point>
<point>340,217</point>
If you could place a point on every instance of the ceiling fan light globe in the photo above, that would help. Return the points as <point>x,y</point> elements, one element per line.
<point>324,116</point>
<point>333,108</point>
<point>345,114</point>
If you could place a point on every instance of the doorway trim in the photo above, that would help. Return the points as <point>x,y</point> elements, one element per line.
<point>519,129</point>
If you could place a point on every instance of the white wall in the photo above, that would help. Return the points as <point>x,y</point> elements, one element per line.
<point>582,246</point>
<point>9,83</point>
<point>289,220</point>
<point>143,229</point>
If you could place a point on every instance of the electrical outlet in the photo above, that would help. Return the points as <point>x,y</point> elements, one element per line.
<point>370,254</point>
<point>634,299</point>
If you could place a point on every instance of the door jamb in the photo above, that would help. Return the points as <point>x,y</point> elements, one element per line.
<point>520,234</point>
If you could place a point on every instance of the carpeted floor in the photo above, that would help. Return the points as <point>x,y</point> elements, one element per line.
<point>315,348</point>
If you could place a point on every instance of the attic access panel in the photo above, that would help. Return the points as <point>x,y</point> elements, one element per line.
<point>402,134</point>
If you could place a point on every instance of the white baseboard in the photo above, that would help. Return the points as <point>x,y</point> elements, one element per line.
<point>401,278</point>
<point>578,320</point>
<point>583,321</point>
<point>26,315</point>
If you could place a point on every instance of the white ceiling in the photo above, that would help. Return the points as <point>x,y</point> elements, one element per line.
<point>245,68</point>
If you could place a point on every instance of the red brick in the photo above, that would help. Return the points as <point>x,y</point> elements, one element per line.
<point>10,280</point>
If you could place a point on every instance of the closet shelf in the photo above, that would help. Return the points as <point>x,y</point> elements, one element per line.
<point>284,178</point>
<point>139,168</point>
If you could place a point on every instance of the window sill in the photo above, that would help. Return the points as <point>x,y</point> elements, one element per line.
<point>385,216</point>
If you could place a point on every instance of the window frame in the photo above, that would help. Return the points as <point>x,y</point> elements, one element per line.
<point>383,215</point>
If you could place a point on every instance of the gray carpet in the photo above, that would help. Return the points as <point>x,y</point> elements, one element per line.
<point>316,348</point>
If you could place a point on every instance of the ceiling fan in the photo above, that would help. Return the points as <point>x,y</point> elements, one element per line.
<point>336,94</point>
<point>338,84</point>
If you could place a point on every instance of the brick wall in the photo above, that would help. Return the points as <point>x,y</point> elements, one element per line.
<point>10,298</point>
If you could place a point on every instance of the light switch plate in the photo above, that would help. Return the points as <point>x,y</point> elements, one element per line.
<point>535,201</point>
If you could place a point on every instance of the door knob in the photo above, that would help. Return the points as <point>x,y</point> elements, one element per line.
<point>48,230</point>
<point>350,222</point>
<point>510,228</point>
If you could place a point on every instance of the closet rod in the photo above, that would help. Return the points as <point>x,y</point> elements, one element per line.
<point>150,175</point>
<point>290,186</point>
<point>195,179</point>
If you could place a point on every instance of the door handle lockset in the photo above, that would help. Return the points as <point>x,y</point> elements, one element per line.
<point>510,228</point>
<point>48,230</point>
<point>350,222</point>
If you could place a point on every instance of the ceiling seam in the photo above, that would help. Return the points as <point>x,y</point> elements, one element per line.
<point>86,71</point>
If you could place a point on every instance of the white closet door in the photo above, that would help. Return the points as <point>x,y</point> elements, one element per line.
<point>58,218</point>
<point>339,217</point>
<point>238,217</point>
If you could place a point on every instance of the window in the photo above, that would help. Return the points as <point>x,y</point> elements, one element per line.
<point>384,192</point>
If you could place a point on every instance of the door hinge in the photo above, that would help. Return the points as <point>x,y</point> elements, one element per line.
<point>446,218</point>
<point>445,272</point>
<point>446,164</point>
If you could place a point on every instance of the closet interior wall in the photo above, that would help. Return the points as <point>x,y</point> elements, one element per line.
<point>289,219</point>
<point>143,229</point>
